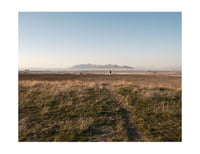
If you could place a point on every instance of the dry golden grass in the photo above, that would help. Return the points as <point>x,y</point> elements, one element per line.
<point>100,110</point>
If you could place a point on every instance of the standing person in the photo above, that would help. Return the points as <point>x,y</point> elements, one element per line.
<point>110,72</point>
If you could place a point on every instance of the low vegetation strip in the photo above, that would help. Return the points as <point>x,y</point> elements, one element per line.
<point>76,110</point>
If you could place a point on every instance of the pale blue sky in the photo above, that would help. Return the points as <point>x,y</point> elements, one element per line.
<point>63,39</point>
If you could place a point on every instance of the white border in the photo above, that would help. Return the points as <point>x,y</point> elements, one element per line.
<point>9,70</point>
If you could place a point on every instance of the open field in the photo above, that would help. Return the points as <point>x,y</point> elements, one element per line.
<point>143,106</point>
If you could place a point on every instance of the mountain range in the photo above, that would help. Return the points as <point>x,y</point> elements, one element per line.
<point>94,67</point>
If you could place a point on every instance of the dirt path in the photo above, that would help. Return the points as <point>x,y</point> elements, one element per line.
<point>131,131</point>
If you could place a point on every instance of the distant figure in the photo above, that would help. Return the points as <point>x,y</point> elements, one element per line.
<point>110,72</point>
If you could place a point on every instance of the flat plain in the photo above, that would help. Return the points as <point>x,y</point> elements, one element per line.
<point>96,106</point>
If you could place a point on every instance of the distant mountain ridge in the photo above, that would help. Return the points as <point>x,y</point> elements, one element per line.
<point>93,66</point>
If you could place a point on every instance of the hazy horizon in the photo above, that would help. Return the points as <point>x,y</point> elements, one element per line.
<point>136,39</point>
<point>134,68</point>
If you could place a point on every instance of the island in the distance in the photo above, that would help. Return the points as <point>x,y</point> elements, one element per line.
<point>96,67</point>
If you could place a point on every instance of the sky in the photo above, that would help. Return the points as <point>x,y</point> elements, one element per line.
<point>64,39</point>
